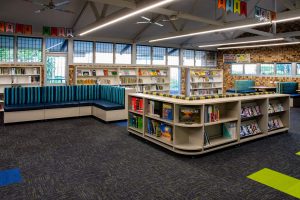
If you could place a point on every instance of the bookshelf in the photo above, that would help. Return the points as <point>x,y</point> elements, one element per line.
<point>201,126</point>
<point>18,75</point>
<point>203,81</point>
<point>155,79</point>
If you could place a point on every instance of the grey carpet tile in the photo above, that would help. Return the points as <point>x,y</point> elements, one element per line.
<point>86,159</point>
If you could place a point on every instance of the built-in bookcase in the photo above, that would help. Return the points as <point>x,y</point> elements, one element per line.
<point>201,126</point>
<point>154,79</point>
<point>203,82</point>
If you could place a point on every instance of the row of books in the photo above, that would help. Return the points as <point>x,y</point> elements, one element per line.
<point>250,111</point>
<point>153,80</point>
<point>204,85</point>
<point>250,128</point>
<point>272,108</point>
<point>137,104</point>
<point>275,123</point>
<point>127,72</point>
<point>128,80</point>
<point>96,82</point>
<point>151,88</point>
<point>160,109</point>
<point>152,72</point>
<point>19,71</point>
<point>159,129</point>
<point>211,113</point>
<point>205,73</point>
<point>205,79</point>
<point>135,121</point>
<point>206,92</point>
<point>97,72</point>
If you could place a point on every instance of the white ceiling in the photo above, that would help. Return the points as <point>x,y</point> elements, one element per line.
<point>19,11</point>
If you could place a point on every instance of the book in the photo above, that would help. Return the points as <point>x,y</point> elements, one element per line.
<point>229,130</point>
<point>167,111</point>
<point>189,114</point>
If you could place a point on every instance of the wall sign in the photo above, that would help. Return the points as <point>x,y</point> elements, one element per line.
<point>6,27</point>
<point>57,31</point>
<point>236,58</point>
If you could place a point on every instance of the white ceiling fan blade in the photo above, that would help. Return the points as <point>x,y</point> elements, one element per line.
<point>145,18</point>
<point>143,22</point>
<point>66,11</point>
<point>62,3</point>
<point>158,24</point>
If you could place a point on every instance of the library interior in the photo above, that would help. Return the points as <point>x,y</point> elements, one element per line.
<point>149,99</point>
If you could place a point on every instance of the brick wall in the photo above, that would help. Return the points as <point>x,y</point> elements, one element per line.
<point>261,55</point>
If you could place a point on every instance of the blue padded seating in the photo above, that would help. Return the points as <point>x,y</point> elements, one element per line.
<point>50,97</point>
<point>242,86</point>
<point>23,99</point>
<point>287,88</point>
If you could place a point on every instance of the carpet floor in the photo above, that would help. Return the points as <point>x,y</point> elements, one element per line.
<point>83,158</point>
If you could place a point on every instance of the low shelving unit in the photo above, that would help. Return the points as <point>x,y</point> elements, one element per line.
<point>201,126</point>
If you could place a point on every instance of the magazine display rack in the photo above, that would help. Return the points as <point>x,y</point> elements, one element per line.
<point>200,126</point>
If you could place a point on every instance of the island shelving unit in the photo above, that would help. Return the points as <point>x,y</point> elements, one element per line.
<point>200,126</point>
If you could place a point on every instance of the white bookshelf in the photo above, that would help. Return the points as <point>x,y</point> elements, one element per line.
<point>155,79</point>
<point>204,81</point>
<point>190,138</point>
<point>19,76</point>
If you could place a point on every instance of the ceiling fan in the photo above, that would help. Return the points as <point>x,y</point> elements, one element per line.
<point>149,21</point>
<point>51,6</point>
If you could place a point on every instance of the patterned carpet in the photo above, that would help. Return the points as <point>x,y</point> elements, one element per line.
<point>83,158</point>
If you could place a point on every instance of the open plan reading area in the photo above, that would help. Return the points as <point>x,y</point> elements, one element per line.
<point>149,99</point>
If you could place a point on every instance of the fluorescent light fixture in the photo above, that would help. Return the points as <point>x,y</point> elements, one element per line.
<point>212,31</point>
<point>139,11</point>
<point>245,42</point>
<point>286,20</point>
<point>261,45</point>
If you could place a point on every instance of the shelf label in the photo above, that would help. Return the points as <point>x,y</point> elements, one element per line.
<point>278,181</point>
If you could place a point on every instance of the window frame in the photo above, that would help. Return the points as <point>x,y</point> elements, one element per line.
<point>115,54</point>
<point>13,49</point>
<point>178,50</point>
<point>183,58</point>
<point>243,69</point>
<point>291,71</point>
<point>136,54</point>
<point>257,71</point>
<point>17,49</point>
<point>268,75</point>
<point>152,56</point>
<point>93,52</point>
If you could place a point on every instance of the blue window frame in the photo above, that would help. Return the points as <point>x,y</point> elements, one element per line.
<point>143,55</point>
<point>29,49</point>
<point>123,53</point>
<point>267,69</point>
<point>6,48</point>
<point>104,53</point>
<point>82,52</point>
<point>188,58</point>
<point>56,45</point>
<point>173,56</point>
<point>159,56</point>
<point>283,69</point>
<point>200,58</point>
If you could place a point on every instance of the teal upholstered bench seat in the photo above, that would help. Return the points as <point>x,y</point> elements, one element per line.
<point>242,86</point>
<point>25,107</point>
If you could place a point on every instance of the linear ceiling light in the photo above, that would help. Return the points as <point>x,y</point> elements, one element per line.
<point>261,45</point>
<point>212,31</point>
<point>245,42</point>
<point>286,20</point>
<point>127,16</point>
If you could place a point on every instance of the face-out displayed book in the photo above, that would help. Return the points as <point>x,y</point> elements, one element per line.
<point>250,111</point>
<point>250,128</point>
<point>273,108</point>
<point>189,114</point>
<point>275,123</point>
<point>159,129</point>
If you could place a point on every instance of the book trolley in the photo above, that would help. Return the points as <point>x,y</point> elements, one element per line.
<point>201,126</point>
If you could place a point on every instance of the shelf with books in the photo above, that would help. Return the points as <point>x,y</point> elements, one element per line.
<point>159,131</point>
<point>183,121</point>
<point>135,122</point>
<point>19,75</point>
<point>136,105</point>
<point>219,134</point>
<point>206,81</point>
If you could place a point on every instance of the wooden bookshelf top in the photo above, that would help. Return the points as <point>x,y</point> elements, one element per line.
<point>206,101</point>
